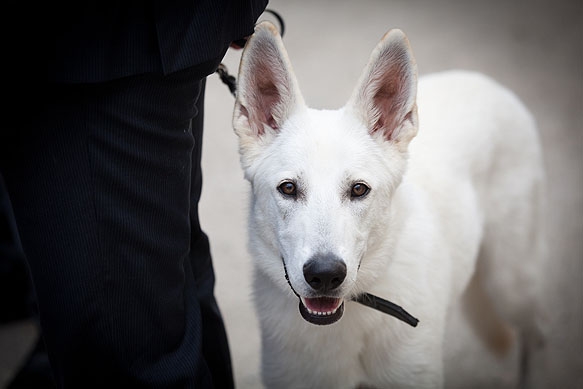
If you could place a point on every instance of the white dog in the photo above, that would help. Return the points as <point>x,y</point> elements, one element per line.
<point>353,200</point>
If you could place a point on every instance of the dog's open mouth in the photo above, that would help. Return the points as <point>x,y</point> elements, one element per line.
<point>321,310</point>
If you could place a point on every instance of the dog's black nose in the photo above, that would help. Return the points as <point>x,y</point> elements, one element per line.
<point>324,272</point>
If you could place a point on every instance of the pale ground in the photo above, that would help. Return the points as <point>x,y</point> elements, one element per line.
<point>533,47</point>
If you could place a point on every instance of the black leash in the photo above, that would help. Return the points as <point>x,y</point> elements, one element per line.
<point>385,306</point>
<point>222,70</point>
<point>366,299</point>
<point>227,79</point>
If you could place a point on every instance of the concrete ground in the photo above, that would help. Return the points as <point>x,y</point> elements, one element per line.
<point>533,47</point>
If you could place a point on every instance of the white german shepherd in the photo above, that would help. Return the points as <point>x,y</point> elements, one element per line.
<point>352,201</point>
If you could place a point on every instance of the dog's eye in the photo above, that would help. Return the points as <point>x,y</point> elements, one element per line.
<point>359,189</point>
<point>287,188</point>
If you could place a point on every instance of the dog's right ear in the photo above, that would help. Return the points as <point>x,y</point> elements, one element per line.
<point>267,90</point>
<point>385,97</point>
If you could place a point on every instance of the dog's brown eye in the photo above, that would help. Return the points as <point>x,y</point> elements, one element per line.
<point>359,190</point>
<point>287,188</point>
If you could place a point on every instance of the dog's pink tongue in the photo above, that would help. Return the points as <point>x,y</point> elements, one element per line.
<point>322,304</point>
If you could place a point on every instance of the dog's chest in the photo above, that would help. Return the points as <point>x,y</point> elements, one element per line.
<point>352,353</point>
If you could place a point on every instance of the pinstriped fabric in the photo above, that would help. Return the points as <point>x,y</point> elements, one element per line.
<point>102,172</point>
<point>204,31</point>
<point>95,41</point>
<point>101,188</point>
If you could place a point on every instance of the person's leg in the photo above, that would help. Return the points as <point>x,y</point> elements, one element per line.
<point>100,182</point>
<point>214,341</point>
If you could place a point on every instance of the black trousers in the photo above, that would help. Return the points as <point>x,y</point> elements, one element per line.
<point>104,181</point>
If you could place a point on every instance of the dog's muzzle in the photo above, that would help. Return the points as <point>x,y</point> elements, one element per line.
<point>324,273</point>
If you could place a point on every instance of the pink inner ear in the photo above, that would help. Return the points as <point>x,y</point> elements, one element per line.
<point>269,97</point>
<point>390,93</point>
<point>384,102</point>
<point>266,97</point>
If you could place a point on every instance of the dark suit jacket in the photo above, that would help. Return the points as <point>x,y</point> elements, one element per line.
<point>93,41</point>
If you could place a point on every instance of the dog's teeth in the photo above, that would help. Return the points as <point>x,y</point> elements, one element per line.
<point>319,313</point>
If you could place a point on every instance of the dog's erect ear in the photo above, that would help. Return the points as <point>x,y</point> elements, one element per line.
<point>385,97</point>
<point>267,91</point>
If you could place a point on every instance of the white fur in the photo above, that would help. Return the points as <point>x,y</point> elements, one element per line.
<point>464,193</point>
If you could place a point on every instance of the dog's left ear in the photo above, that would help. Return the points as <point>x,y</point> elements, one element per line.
<point>385,97</point>
<point>267,90</point>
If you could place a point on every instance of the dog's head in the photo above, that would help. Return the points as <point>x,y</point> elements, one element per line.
<point>322,181</point>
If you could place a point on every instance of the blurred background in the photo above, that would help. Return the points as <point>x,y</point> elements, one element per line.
<point>533,47</point>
